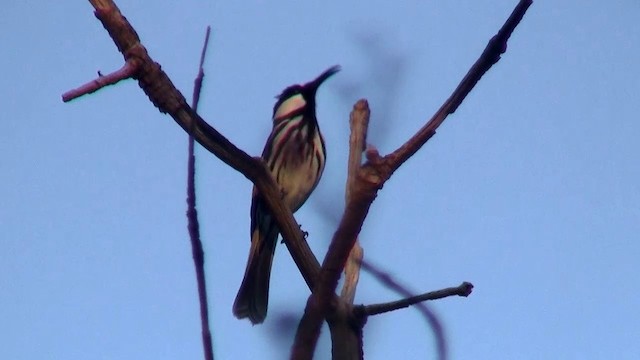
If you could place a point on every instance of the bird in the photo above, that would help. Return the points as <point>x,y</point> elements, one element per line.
<point>295,156</point>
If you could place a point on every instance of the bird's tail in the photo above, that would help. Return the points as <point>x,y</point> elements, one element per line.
<point>253,297</point>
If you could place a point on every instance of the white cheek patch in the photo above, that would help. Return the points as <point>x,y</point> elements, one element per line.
<point>293,103</point>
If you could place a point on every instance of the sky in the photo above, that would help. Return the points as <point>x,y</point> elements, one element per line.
<point>531,190</point>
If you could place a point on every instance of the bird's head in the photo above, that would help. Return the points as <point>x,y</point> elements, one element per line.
<point>301,98</point>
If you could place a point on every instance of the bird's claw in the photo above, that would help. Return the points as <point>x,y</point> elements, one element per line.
<point>305,234</point>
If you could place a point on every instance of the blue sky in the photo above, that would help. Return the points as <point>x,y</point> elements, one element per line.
<point>530,191</point>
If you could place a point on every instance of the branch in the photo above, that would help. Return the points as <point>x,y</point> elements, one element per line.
<point>192,218</point>
<point>429,316</point>
<point>370,179</point>
<point>359,124</point>
<point>197,83</point>
<point>346,330</point>
<point>463,289</point>
<point>491,54</point>
<point>127,71</point>
<point>161,91</point>
<point>352,273</point>
<point>361,197</point>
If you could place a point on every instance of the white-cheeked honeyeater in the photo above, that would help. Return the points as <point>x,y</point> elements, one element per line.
<point>295,155</point>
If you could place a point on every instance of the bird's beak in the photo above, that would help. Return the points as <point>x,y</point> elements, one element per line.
<point>313,86</point>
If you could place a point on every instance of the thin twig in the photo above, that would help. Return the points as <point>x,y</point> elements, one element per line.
<point>127,71</point>
<point>197,84</point>
<point>491,54</point>
<point>430,316</point>
<point>192,217</point>
<point>463,289</point>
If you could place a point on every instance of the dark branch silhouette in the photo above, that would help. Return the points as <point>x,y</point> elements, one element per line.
<point>463,289</point>
<point>491,55</point>
<point>192,217</point>
<point>429,316</point>
<point>127,71</point>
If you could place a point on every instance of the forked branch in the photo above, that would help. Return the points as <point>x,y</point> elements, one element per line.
<point>164,95</point>
<point>371,177</point>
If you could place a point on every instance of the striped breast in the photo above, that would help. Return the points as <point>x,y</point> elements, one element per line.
<point>295,153</point>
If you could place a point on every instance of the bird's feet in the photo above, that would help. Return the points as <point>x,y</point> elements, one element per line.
<point>305,234</point>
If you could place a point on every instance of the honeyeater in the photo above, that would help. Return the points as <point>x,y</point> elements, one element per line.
<point>295,155</point>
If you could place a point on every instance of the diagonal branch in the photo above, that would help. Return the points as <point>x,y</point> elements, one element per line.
<point>491,54</point>
<point>164,95</point>
<point>371,177</point>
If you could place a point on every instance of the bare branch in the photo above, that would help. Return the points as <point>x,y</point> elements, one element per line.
<point>163,94</point>
<point>429,316</point>
<point>359,123</point>
<point>345,328</point>
<point>352,273</point>
<point>463,289</point>
<point>491,54</point>
<point>192,218</point>
<point>197,83</point>
<point>127,71</point>
<point>361,196</point>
